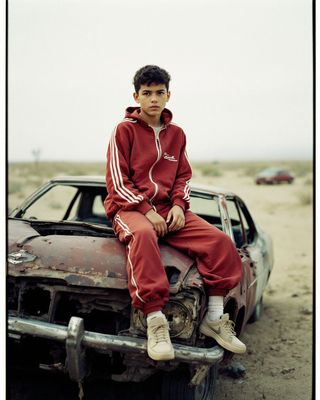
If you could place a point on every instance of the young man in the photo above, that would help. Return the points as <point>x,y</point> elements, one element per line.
<point>147,178</point>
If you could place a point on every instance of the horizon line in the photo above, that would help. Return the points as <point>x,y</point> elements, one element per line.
<point>192,161</point>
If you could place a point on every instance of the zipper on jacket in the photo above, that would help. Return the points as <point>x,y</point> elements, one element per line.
<point>159,150</point>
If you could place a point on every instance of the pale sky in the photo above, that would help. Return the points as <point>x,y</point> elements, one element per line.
<point>241,74</point>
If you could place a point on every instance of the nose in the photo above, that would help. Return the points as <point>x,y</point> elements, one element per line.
<point>154,98</point>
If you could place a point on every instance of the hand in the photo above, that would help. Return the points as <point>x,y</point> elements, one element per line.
<point>177,218</point>
<point>159,224</point>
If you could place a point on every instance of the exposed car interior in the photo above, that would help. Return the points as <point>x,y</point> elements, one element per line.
<point>84,203</point>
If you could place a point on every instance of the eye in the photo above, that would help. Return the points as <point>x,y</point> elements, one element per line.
<point>146,93</point>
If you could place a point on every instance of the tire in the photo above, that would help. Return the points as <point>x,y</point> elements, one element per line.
<point>175,386</point>
<point>255,316</point>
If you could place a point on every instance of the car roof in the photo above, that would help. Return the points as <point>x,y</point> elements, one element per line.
<point>274,169</point>
<point>100,179</point>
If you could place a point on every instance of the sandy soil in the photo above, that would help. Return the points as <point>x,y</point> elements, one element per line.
<point>278,362</point>
<point>279,359</point>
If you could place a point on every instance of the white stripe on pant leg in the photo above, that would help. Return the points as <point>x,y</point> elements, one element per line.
<point>132,277</point>
<point>125,228</point>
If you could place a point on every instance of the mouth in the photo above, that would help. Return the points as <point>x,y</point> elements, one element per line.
<point>154,107</point>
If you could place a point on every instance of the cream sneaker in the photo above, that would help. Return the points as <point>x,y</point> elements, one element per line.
<point>222,330</point>
<point>159,343</point>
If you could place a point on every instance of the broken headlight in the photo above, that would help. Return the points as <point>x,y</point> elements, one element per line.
<point>182,313</point>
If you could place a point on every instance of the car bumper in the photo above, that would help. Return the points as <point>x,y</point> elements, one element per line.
<point>76,340</point>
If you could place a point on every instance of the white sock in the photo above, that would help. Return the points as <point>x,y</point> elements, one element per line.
<point>215,307</point>
<point>154,314</point>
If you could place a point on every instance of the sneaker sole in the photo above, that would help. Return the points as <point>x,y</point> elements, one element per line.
<point>161,357</point>
<point>208,332</point>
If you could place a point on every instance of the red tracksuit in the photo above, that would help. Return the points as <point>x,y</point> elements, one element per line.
<point>146,170</point>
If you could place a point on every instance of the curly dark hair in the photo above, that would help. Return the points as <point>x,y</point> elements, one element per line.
<point>150,74</point>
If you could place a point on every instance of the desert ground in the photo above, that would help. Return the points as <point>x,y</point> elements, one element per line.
<point>279,360</point>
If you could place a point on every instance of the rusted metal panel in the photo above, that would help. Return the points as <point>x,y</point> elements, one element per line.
<point>194,279</point>
<point>80,260</point>
<point>19,231</point>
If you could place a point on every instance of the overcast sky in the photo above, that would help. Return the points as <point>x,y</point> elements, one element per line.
<point>241,74</point>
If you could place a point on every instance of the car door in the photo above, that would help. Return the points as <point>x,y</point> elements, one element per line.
<point>257,247</point>
<point>247,239</point>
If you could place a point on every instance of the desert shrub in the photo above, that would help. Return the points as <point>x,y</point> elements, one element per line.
<point>77,171</point>
<point>252,170</point>
<point>35,181</point>
<point>300,168</point>
<point>15,187</point>
<point>42,171</point>
<point>210,170</point>
<point>308,182</point>
<point>305,198</point>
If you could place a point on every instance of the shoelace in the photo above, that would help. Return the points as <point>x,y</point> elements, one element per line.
<point>160,333</point>
<point>229,327</point>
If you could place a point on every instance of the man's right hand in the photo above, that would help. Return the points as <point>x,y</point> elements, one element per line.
<point>159,224</point>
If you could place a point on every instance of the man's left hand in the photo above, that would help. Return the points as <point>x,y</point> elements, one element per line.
<point>175,218</point>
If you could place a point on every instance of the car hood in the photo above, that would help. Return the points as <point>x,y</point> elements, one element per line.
<point>79,260</point>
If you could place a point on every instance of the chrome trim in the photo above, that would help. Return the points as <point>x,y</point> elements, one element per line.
<point>104,343</point>
<point>252,283</point>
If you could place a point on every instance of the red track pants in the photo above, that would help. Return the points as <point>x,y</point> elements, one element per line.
<point>217,259</point>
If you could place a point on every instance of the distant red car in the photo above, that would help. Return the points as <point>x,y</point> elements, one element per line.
<point>274,176</point>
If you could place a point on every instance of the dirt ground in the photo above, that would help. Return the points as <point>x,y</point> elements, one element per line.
<point>278,362</point>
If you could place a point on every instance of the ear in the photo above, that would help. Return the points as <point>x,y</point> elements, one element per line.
<point>168,96</point>
<point>136,97</point>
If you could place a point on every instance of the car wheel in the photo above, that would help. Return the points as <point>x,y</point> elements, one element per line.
<point>175,386</point>
<point>255,316</point>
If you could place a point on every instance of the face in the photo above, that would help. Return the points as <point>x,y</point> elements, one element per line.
<point>152,99</point>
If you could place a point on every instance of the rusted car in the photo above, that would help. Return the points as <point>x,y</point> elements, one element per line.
<point>68,303</point>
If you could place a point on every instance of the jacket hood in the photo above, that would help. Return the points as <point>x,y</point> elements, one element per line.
<point>134,112</point>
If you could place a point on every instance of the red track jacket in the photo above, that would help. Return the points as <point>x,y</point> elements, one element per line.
<point>145,169</point>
